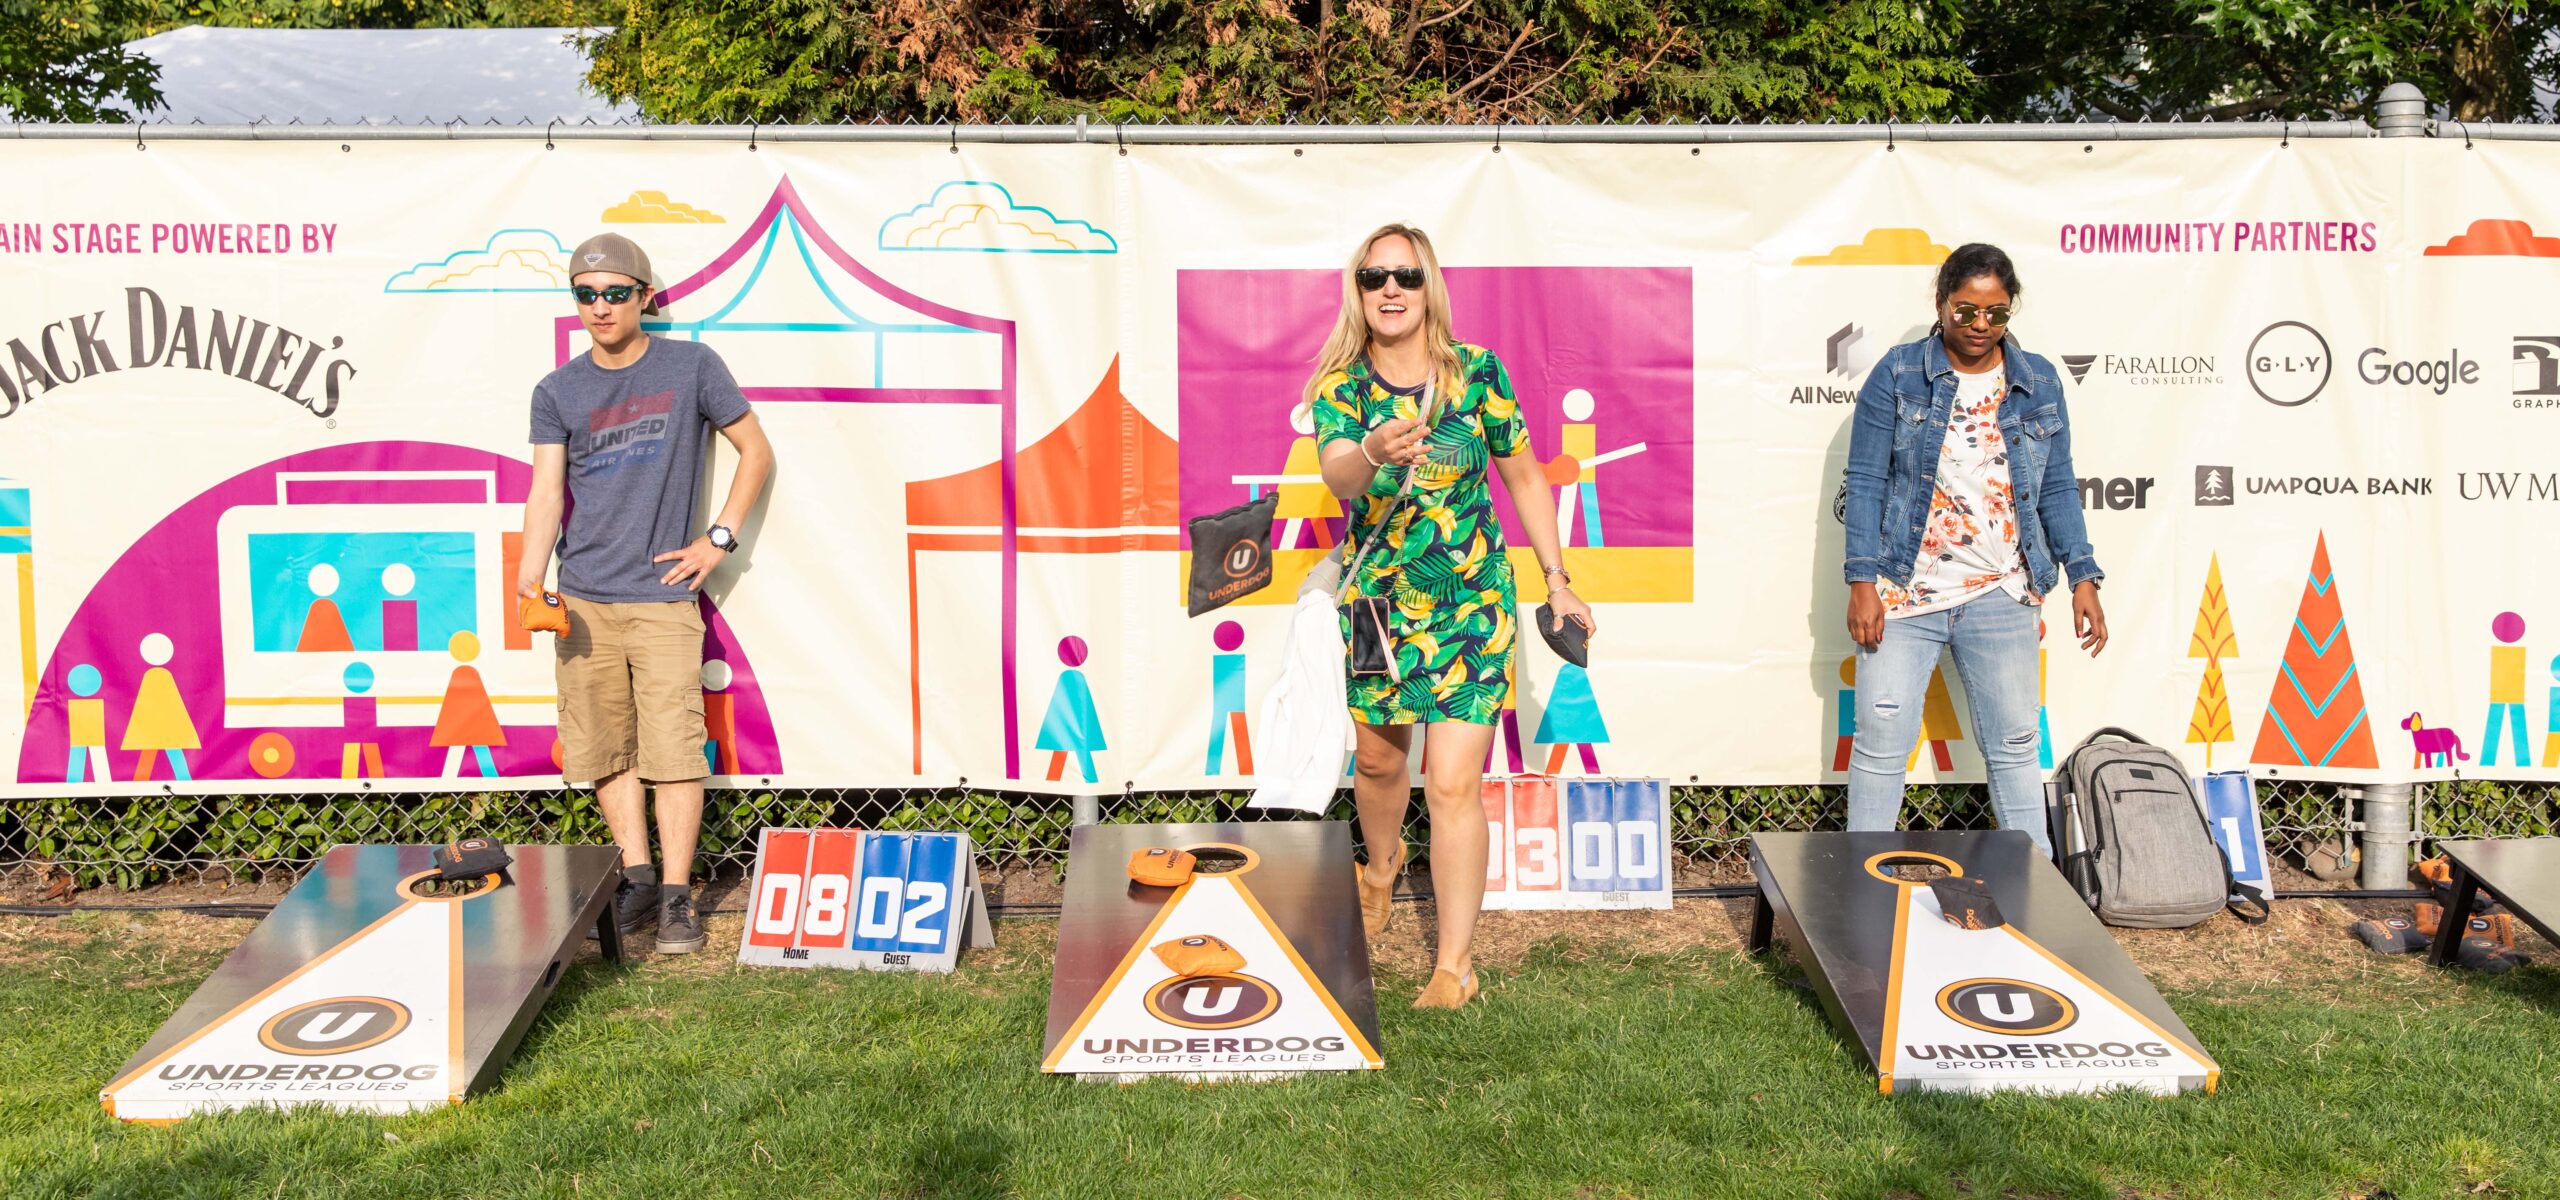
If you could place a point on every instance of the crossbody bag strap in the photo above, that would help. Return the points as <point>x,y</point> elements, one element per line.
<point>1351,575</point>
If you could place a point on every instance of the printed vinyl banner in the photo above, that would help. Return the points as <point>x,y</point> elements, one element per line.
<point>264,416</point>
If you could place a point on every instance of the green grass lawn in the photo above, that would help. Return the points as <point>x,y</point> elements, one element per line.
<point>1589,1069</point>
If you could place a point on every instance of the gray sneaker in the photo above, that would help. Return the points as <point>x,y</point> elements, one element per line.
<point>635,901</point>
<point>679,927</point>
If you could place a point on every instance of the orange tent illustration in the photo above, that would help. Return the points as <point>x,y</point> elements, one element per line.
<point>1103,482</point>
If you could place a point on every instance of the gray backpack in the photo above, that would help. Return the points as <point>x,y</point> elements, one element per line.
<point>2131,838</point>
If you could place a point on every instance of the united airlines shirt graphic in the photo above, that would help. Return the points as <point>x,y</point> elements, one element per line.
<point>635,430</point>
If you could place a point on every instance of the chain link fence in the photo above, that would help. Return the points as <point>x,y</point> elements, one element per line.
<point>134,842</point>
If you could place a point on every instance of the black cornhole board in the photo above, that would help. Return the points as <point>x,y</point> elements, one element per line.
<point>356,994</point>
<point>1303,1001</point>
<point>2049,1002</point>
<point>2521,873</point>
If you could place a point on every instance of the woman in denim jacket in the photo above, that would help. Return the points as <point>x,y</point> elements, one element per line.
<point>1962,516</point>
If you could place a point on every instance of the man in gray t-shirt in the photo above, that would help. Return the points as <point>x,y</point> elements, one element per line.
<point>621,432</point>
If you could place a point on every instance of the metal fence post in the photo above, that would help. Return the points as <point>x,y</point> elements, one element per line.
<point>1085,810</point>
<point>2401,112</point>
<point>2386,835</point>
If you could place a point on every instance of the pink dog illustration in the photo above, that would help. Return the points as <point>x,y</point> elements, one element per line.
<point>2442,745</point>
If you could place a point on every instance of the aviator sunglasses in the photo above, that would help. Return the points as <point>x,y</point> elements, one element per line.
<point>1965,313</point>
<point>619,293</point>
<point>1373,278</point>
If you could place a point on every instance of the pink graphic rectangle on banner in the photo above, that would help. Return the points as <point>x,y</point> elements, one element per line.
<point>399,624</point>
<point>1622,336</point>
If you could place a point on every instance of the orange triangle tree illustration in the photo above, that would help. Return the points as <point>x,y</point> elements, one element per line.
<point>2212,640</point>
<point>2316,713</point>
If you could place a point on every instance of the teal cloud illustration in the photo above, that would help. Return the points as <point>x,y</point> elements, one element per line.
<point>973,215</point>
<point>513,260</point>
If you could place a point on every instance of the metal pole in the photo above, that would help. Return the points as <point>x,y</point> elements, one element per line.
<point>1085,810</point>
<point>2386,835</point>
<point>2402,112</point>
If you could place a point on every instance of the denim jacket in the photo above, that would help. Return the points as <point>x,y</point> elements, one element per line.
<point>1896,434</point>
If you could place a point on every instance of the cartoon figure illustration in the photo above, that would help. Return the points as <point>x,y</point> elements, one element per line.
<point>159,724</point>
<point>719,718</point>
<point>466,718</point>
<point>1301,503</point>
<point>17,540</point>
<point>1226,701</point>
<point>88,716</point>
<point>2044,713</point>
<point>1845,726</point>
<point>1938,724</point>
<point>1072,725</point>
<point>324,628</point>
<point>2551,722</point>
<point>2440,744</point>
<point>363,749</point>
<point>2506,690</point>
<point>400,614</point>
<point>1574,471</point>
<point>1572,719</point>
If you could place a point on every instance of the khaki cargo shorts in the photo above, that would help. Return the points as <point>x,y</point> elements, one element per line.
<point>631,691</point>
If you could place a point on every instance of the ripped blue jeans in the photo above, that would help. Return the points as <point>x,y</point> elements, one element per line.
<point>1994,641</point>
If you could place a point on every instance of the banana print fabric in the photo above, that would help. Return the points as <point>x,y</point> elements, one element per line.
<point>1442,564</point>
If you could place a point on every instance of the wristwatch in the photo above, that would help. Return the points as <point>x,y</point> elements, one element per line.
<point>723,539</point>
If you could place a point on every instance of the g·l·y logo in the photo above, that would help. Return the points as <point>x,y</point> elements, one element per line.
<point>2537,366</point>
<point>338,1025</point>
<point>1213,1001</point>
<point>2289,363</point>
<point>2011,1006</point>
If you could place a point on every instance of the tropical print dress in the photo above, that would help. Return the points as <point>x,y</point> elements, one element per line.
<point>1442,562</point>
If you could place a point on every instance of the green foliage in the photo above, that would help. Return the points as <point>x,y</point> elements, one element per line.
<point>1258,60</point>
<point>2258,58</point>
<point>64,60</point>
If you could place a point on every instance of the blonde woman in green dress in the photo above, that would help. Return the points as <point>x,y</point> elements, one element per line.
<point>1441,562</point>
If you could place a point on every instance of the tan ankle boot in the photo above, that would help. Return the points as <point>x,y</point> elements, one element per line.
<point>1446,990</point>
<point>1377,903</point>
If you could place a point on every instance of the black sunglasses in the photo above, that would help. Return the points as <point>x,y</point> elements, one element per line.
<point>1965,313</point>
<point>1373,278</point>
<point>619,293</point>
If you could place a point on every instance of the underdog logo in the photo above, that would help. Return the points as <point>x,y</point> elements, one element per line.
<point>338,1025</point>
<point>2011,1006</point>
<point>1243,557</point>
<point>2289,363</point>
<point>1213,1001</point>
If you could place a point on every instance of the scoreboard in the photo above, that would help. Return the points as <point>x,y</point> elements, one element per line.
<point>863,899</point>
<point>1577,843</point>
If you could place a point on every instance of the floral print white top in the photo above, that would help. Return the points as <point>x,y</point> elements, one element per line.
<point>1970,544</point>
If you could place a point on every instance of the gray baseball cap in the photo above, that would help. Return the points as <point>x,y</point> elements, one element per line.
<point>617,254</point>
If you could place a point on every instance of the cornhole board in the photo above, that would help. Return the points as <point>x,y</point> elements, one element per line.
<point>360,994</point>
<point>2045,1002</point>
<point>2521,873</point>
<point>1302,1001</point>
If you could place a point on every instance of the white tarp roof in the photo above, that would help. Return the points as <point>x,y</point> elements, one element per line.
<point>238,76</point>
